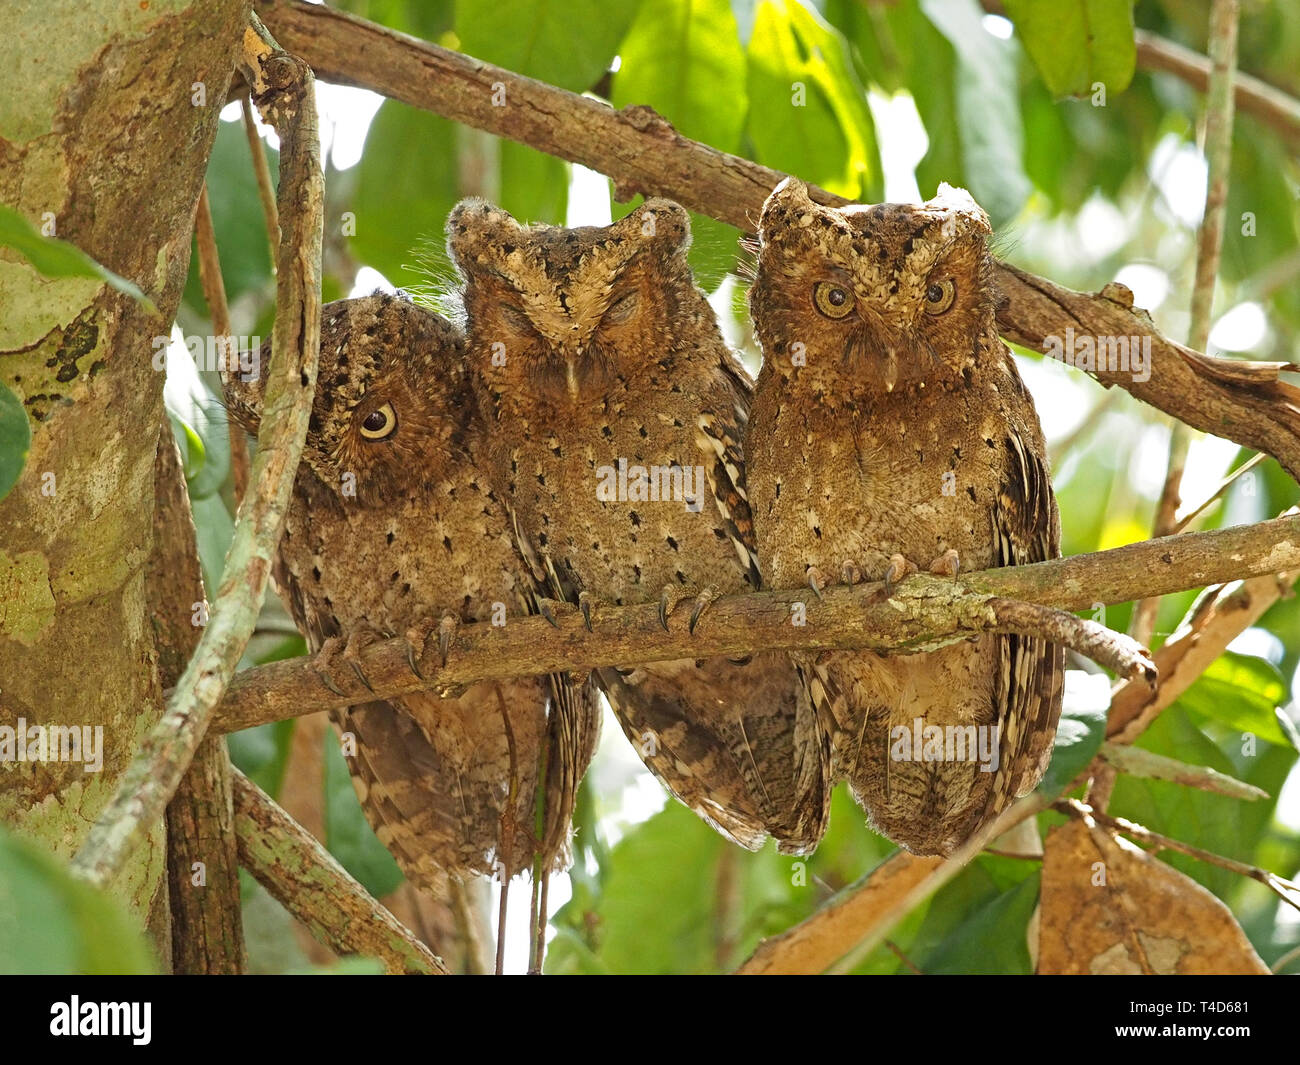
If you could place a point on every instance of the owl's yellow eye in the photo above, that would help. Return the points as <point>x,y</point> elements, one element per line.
<point>379,423</point>
<point>833,300</point>
<point>939,296</point>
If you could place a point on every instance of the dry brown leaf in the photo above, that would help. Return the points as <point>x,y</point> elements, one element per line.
<point>1108,907</point>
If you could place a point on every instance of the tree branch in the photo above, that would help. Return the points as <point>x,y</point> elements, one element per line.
<point>304,878</point>
<point>924,612</point>
<point>284,89</point>
<point>1244,401</point>
<point>207,921</point>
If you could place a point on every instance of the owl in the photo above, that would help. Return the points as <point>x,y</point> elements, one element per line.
<point>392,529</point>
<point>891,432</point>
<point>615,418</point>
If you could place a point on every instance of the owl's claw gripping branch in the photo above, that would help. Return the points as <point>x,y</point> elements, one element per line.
<point>447,627</point>
<point>946,565</point>
<point>546,607</point>
<point>702,601</point>
<point>899,569</point>
<point>585,605</point>
<point>816,581</point>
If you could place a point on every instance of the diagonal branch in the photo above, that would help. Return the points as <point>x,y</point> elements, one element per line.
<point>284,89</point>
<point>305,878</point>
<point>923,612</point>
<point>1244,401</point>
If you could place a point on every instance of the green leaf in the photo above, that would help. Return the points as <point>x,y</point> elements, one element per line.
<point>348,835</point>
<point>973,926</point>
<point>808,112</point>
<point>57,258</point>
<point>1078,736</point>
<point>52,923</point>
<point>403,195</point>
<point>986,109</point>
<point>1244,692</point>
<point>1077,43</point>
<point>684,59</point>
<point>15,439</point>
<point>568,43</point>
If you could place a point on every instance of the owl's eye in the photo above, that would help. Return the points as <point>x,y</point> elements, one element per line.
<point>939,296</point>
<point>622,309</point>
<point>833,300</point>
<point>379,423</point>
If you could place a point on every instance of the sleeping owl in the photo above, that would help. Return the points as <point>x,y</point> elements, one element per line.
<point>615,416</point>
<point>891,432</point>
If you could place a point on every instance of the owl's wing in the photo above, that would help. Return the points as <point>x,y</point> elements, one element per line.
<point>720,434</point>
<point>1029,679</point>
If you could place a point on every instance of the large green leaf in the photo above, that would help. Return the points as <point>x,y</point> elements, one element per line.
<point>1244,692</point>
<point>986,109</point>
<point>15,439</point>
<point>407,183</point>
<point>52,923</point>
<point>976,925</point>
<point>1076,43</point>
<point>348,835</point>
<point>534,186</point>
<point>684,59</point>
<point>568,43</point>
<point>57,258</point>
<point>808,112</point>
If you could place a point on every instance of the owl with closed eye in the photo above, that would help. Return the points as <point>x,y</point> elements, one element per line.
<point>615,416</point>
<point>392,527</point>
<point>891,432</point>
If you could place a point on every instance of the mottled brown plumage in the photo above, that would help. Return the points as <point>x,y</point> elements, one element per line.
<point>890,432</point>
<point>590,347</point>
<point>392,530</point>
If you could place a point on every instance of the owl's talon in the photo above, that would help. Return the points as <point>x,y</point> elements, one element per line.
<point>899,569</point>
<point>324,679</point>
<point>668,600</point>
<point>584,604</point>
<point>946,565</point>
<point>850,573</point>
<point>816,581</point>
<point>544,608</point>
<point>702,602</point>
<point>412,664</point>
<point>447,627</point>
<point>361,676</point>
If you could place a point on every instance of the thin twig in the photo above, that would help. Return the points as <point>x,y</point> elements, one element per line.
<point>214,292</point>
<point>1287,890</point>
<point>1138,762</point>
<point>1186,518</point>
<point>1113,650</point>
<point>265,188</point>
<point>285,89</point>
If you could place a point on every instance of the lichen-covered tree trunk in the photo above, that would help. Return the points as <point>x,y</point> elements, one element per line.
<point>107,113</point>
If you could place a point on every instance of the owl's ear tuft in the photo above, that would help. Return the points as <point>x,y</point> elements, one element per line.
<point>787,201</point>
<point>961,205</point>
<point>659,221</point>
<point>474,225</point>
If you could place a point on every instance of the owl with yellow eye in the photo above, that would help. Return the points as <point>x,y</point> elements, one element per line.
<point>891,432</point>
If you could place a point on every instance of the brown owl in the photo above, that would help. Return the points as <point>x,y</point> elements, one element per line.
<point>616,414</point>
<point>891,432</point>
<point>392,528</point>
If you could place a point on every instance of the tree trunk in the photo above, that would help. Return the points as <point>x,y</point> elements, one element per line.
<point>107,115</point>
